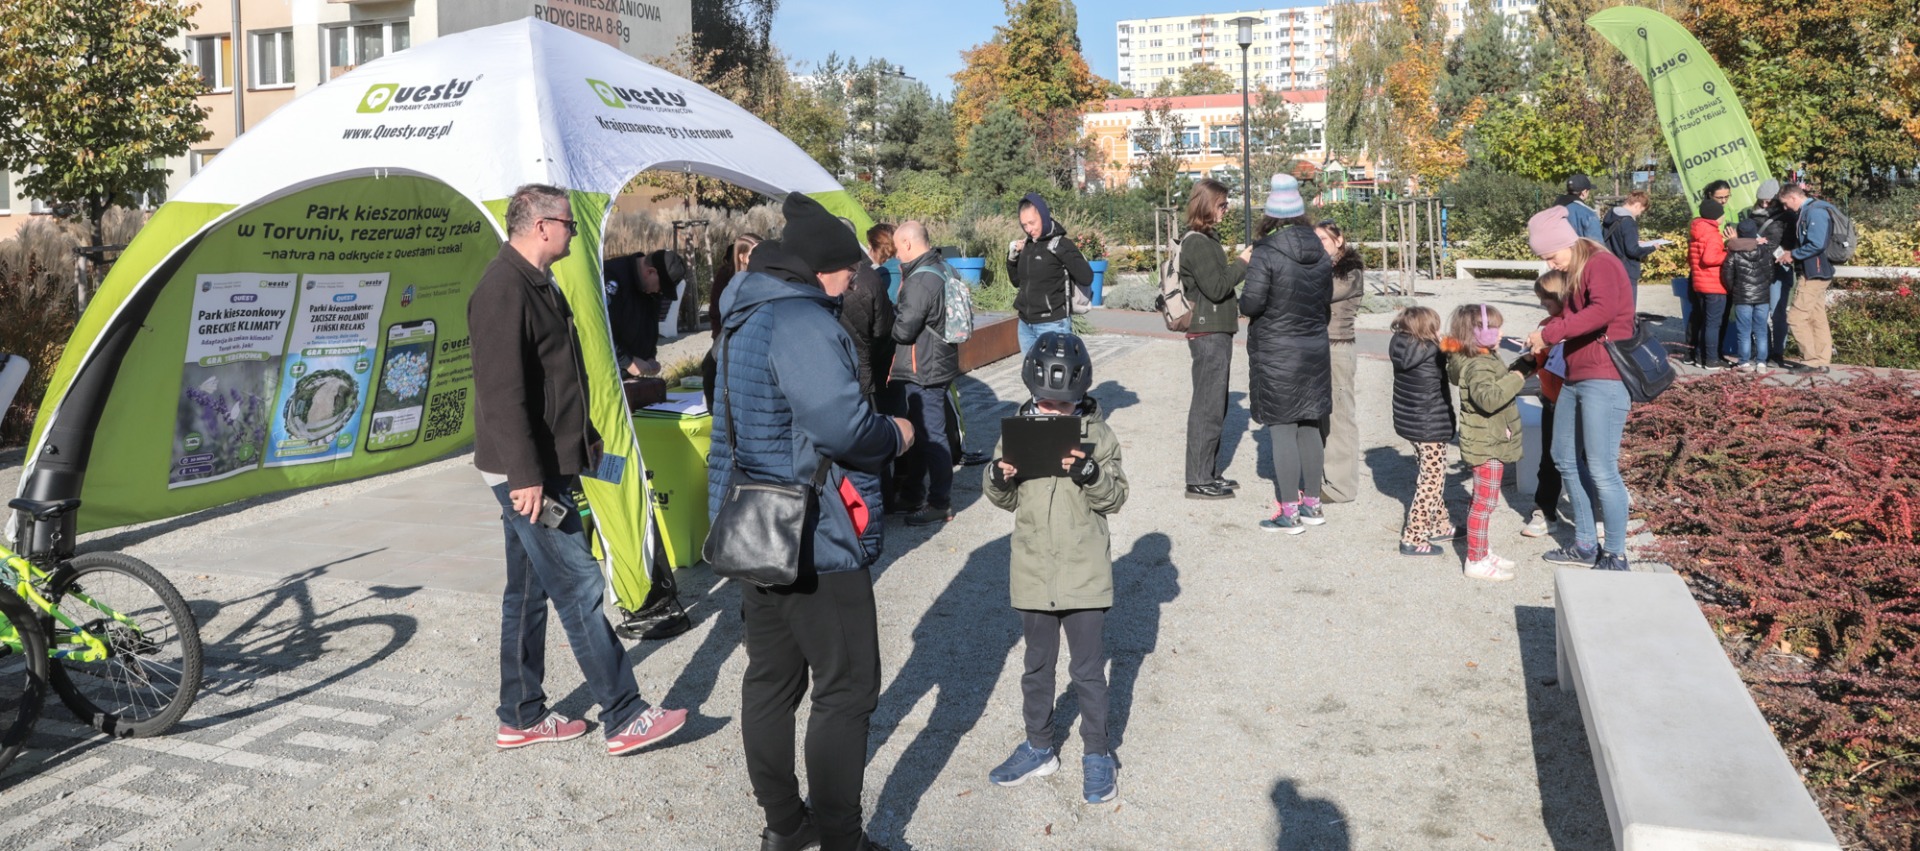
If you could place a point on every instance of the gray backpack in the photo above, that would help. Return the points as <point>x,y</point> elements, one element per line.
<point>1842,238</point>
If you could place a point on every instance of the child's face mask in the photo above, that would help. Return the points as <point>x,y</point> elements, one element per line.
<point>1486,336</point>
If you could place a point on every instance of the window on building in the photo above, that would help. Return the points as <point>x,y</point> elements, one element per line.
<point>1190,139</point>
<point>1139,144</point>
<point>272,57</point>
<point>1226,138</point>
<point>356,44</point>
<point>198,160</point>
<point>213,56</point>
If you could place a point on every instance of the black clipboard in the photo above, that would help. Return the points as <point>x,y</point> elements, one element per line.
<point>1035,445</point>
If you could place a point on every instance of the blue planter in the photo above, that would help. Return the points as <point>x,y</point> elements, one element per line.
<point>1099,279</point>
<point>969,268</point>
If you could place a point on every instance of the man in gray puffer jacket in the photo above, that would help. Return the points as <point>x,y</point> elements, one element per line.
<point>924,363</point>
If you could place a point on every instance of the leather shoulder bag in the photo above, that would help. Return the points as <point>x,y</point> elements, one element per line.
<point>756,535</point>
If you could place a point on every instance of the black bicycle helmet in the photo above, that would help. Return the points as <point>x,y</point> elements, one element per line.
<point>1058,368</point>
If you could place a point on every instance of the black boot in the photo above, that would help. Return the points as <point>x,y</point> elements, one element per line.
<point>807,835</point>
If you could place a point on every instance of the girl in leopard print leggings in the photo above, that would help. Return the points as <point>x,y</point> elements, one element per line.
<point>1423,414</point>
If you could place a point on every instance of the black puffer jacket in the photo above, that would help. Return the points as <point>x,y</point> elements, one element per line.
<point>1748,272</point>
<point>1289,290</point>
<point>868,318</point>
<point>1422,396</point>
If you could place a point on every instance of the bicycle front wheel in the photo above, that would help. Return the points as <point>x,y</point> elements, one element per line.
<point>23,673</point>
<point>151,672</point>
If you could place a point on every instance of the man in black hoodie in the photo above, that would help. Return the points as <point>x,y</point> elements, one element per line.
<point>1045,268</point>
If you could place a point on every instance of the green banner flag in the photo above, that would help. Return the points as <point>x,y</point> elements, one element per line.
<point>1706,128</point>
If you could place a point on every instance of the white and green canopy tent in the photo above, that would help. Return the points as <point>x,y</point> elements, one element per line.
<point>297,315</point>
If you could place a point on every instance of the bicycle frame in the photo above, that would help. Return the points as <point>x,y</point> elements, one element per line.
<point>75,642</point>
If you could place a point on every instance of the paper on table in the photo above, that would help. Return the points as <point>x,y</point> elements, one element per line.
<point>684,404</point>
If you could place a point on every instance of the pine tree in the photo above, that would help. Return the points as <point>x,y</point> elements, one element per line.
<point>999,162</point>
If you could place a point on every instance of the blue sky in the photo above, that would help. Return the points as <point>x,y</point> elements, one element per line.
<point>926,36</point>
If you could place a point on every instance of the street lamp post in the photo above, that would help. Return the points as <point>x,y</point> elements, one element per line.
<point>1245,23</point>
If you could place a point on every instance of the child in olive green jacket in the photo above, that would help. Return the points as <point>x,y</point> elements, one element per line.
<point>1061,575</point>
<point>1490,431</point>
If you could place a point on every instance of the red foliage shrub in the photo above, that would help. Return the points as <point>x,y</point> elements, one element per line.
<point>1792,512</point>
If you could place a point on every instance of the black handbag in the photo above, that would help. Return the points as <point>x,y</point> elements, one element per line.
<point>755,536</point>
<point>1642,363</point>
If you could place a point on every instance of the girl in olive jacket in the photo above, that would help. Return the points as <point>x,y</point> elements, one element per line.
<point>1490,431</point>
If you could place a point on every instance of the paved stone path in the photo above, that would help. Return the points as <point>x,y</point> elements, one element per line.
<point>1310,692</point>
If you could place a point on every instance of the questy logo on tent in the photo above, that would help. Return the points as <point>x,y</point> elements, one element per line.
<point>382,97</point>
<point>654,98</point>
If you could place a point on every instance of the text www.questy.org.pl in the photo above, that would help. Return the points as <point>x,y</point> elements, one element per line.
<point>399,131</point>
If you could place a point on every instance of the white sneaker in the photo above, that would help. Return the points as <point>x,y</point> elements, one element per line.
<point>1536,525</point>
<point>1502,563</point>
<point>1488,570</point>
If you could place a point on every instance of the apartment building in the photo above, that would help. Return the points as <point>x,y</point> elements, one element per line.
<point>255,56</point>
<point>1205,136</point>
<point>1292,48</point>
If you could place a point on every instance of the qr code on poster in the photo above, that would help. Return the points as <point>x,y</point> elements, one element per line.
<point>446,412</point>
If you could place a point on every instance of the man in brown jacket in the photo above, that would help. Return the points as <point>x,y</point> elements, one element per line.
<point>532,441</point>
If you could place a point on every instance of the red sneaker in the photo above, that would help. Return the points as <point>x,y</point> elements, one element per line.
<point>553,728</point>
<point>645,729</point>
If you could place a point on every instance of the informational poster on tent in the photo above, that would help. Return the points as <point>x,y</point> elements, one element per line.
<point>236,336</point>
<point>329,365</point>
<point>318,337</point>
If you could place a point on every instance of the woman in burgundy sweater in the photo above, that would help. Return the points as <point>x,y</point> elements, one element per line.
<point>1592,411</point>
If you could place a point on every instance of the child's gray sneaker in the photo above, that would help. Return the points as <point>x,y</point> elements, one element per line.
<point>1101,778</point>
<point>1027,761</point>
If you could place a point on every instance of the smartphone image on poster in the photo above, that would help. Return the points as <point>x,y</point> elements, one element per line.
<point>400,399</point>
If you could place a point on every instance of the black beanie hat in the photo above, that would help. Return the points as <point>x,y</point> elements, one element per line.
<point>817,237</point>
<point>1711,209</point>
<point>669,266</point>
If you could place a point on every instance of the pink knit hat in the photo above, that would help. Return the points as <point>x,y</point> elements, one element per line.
<point>1548,231</point>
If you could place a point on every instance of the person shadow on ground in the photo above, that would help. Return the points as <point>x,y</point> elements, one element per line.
<point>1308,824</point>
<point>960,649</point>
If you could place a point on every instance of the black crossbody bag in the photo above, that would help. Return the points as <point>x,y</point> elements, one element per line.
<point>756,535</point>
<point>1642,363</point>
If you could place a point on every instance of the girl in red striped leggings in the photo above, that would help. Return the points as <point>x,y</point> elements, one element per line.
<point>1490,429</point>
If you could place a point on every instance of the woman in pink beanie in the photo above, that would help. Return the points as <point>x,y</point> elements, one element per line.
<point>1592,411</point>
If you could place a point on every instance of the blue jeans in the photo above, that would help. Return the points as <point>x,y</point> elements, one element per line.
<point>1750,332</point>
<point>926,471</point>
<point>1030,333</point>
<point>1590,418</point>
<point>1777,301</point>
<point>554,564</point>
<point>1709,319</point>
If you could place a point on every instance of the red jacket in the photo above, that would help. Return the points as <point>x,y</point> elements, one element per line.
<point>1603,309</point>
<point>1706,252</point>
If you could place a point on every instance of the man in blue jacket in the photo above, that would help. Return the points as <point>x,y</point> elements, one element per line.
<point>1807,316</point>
<point>795,398</point>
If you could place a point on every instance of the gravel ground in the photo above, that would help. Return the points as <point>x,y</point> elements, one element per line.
<point>1269,691</point>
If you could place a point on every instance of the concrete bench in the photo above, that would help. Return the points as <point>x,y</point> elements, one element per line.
<point>1684,758</point>
<point>1463,269</point>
